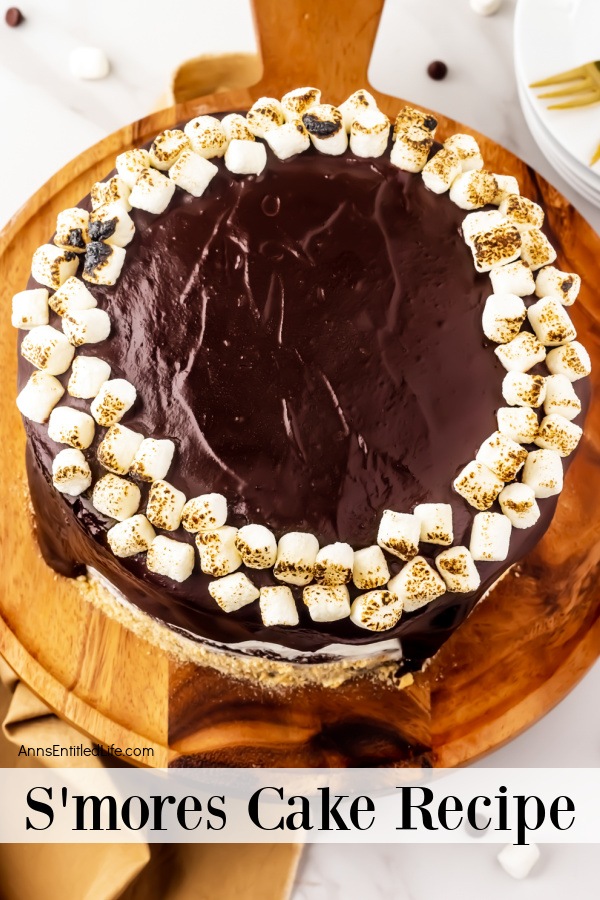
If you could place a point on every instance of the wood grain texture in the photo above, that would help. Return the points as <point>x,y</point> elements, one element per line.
<point>518,654</point>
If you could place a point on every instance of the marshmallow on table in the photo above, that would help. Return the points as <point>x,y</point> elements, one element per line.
<point>218,553</point>
<point>369,133</point>
<point>467,149</point>
<point>356,102</point>
<point>115,397</point>
<point>134,535</point>
<point>334,564</point>
<point>257,546</point>
<point>399,534</point>
<point>112,191</point>
<point>518,860</point>
<point>173,559</point>
<point>485,7</point>
<point>277,606</point>
<point>472,190</point>
<point>478,485</point>
<point>370,569</point>
<point>520,424</point>
<point>551,322</point>
<point>517,502</point>
<point>165,505</point>
<point>152,191</point>
<point>167,147</point>
<point>502,456</point>
<point>417,584</point>
<point>48,349</point>
<point>503,315</point>
<point>435,520</point>
<point>295,103</point>
<point>563,286</point>
<point>499,245</point>
<point>71,297</point>
<point>152,459</point>
<point>325,127</point>
<point>522,389</point>
<point>88,374</point>
<point>296,558</point>
<point>266,113</point>
<point>39,396</point>
<point>244,157</point>
<point>536,249</point>
<point>571,360</point>
<point>490,537</point>
<point>88,63</point>
<point>458,569</point>
<point>207,136</point>
<point>513,278</point>
<point>71,426</point>
<point>557,433</point>
<point>521,212</point>
<point>72,229</point>
<point>480,222</point>
<point>507,185</point>
<point>103,263</point>
<point>116,497</point>
<point>561,397</point>
<point>441,170</point>
<point>288,139</point>
<point>236,128</point>
<point>410,149</point>
<point>327,604</point>
<point>522,353</point>
<point>86,326</point>
<point>117,449</point>
<point>409,117</point>
<point>30,309</point>
<point>376,610</point>
<point>233,591</point>
<point>111,223</point>
<point>192,173</point>
<point>204,513</point>
<point>131,164</point>
<point>71,473</point>
<point>543,473</point>
<point>51,266</point>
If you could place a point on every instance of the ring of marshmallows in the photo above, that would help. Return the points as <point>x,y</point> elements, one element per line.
<point>506,242</point>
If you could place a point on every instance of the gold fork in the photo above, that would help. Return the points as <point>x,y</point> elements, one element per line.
<point>584,90</point>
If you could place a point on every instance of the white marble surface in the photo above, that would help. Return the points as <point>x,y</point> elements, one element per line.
<point>48,118</point>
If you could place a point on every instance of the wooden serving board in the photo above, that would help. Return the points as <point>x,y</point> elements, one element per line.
<point>519,653</point>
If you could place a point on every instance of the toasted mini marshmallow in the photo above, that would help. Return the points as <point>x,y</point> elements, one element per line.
<point>490,537</point>
<point>88,374</point>
<point>296,558</point>
<point>563,286</point>
<point>112,191</point>
<point>277,606</point>
<point>480,222</point>
<point>72,229</point>
<point>236,128</point>
<point>72,296</point>
<point>399,534</point>
<point>71,426</point>
<point>467,149</point>
<point>167,147</point>
<point>514,278</point>
<point>30,309</point>
<point>410,149</point>
<point>441,170</point>
<point>204,513</point>
<point>561,397</point>
<point>551,322</point>
<point>266,113</point>
<point>152,191</point>
<point>409,117</point>
<point>517,860</point>
<point>207,136</point>
<point>52,266</point>
<point>376,610</point>
<point>369,133</point>
<point>192,173</point>
<point>112,401</point>
<point>39,396</point>
<point>436,523</point>
<point>520,424</point>
<point>257,546</point>
<point>233,591</point>
<point>117,448</point>
<point>522,353</point>
<point>543,473</point>
<point>557,433</point>
<point>48,349</point>
<point>503,315</point>
<point>495,247</point>
<point>518,503</point>
<point>502,456</point>
<point>165,505</point>
<point>71,473</point>
<point>334,564</point>
<point>245,157</point>
<point>356,102</point>
<point>521,212</point>
<point>478,485</point>
<point>116,497</point>
<point>325,127</point>
<point>457,568</point>
<point>507,185</point>
<point>571,360</point>
<point>153,459</point>
<point>295,103</point>
<point>327,604</point>
<point>522,389</point>
<point>113,224</point>
<point>472,190</point>
<point>173,559</point>
<point>417,584</point>
<point>131,164</point>
<point>288,139</point>
<point>218,552</point>
<point>536,249</point>
<point>86,326</point>
<point>102,263</point>
<point>370,569</point>
<point>131,536</point>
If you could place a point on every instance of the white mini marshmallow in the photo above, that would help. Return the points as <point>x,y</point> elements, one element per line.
<point>47,348</point>
<point>520,424</point>
<point>557,433</point>
<point>409,117</point>
<point>153,459</point>
<point>399,534</point>
<point>490,537</point>
<point>441,170</point>
<point>112,401</point>
<point>485,7</point>
<point>288,139</point>
<point>536,249</point>
<point>507,185</point>
<point>457,568</point>
<point>517,860</point>
<point>563,286</point>
<point>410,149</point>
<point>436,523</point>
<point>356,102</point>
<point>103,263</point>
<point>71,473</point>
<point>257,546</point>
<point>561,397</point>
<point>518,503</point>
<point>264,115</point>
<point>296,558</point>
<point>543,473</point>
<point>113,224</point>
<point>233,592</point>
<point>369,133</point>
<point>376,610</point>
<point>88,374</point>
<point>467,149</point>
<point>218,554</point>
<point>417,584</point>
<point>134,535</point>
<point>334,564</point>
<point>551,322</point>
<point>502,456</point>
<point>112,191</point>
<point>204,513</point>
<point>117,448</point>
<point>571,360</point>
<point>71,426</point>
<point>72,296</point>
<point>326,129</point>
<point>277,606</point>
<point>39,396</point>
<point>167,147</point>
<point>86,326</point>
<point>88,63</point>
<point>72,229</point>
<point>521,212</point>
<point>478,485</point>
<point>522,353</point>
<point>327,604</point>
<point>116,497</point>
<point>245,157</point>
<point>152,191</point>
<point>236,128</point>
<point>173,559</point>
<point>295,103</point>
<point>370,569</point>
<point>514,278</point>
<point>472,190</point>
<point>480,222</point>
<point>522,389</point>
<point>30,309</point>
<point>496,247</point>
<point>503,315</point>
<point>51,266</point>
<point>131,164</point>
<point>207,136</point>
<point>165,505</point>
<point>192,173</point>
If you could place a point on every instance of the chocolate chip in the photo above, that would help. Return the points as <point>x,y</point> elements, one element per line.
<point>13,17</point>
<point>76,238</point>
<point>99,231</point>
<point>437,70</point>
<point>95,256</point>
<point>317,126</point>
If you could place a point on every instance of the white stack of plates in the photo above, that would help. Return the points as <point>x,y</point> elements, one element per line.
<point>552,36</point>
